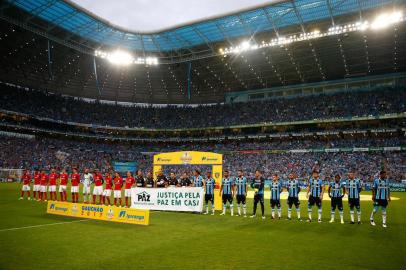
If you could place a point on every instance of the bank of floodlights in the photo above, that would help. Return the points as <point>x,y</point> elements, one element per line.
<point>380,22</point>
<point>123,58</point>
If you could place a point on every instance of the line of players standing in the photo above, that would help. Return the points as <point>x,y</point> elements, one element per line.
<point>337,188</point>
<point>104,185</point>
<point>229,189</point>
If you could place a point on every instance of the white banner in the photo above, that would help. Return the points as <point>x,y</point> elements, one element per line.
<point>188,199</point>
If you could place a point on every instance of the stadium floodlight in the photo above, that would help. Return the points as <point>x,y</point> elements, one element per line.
<point>122,58</point>
<point>386,19</point>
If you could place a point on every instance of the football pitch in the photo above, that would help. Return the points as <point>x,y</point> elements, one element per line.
<point>32,239</point>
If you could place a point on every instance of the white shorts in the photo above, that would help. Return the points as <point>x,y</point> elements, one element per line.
<point>117,193</point>
<point>127,192</point>
<point>36,188</point>
<point>74,189</point>
<point>26,188</point>
<point>107,192</point>
<point>62,188</point>
<point>86,189</point>
<point>43,188</point>
<point>52,189</point>
<point>98,190</point>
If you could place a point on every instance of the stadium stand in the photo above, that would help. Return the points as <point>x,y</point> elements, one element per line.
<point>360,103</point>
<point>48,153</point>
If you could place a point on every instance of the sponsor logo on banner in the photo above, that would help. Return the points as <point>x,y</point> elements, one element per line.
<point>209,159</point>
<point>110,213</point>
<point>99,212</point>
<point>163,159</point>
<point>186,158</point>
<point>188,199</point>
<point>75,210</point>
<point>143,197</point>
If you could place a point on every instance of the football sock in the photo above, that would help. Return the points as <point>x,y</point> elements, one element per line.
<point>319,213</point>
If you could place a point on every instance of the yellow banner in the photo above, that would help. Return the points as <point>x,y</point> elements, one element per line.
<point>188,157</point>
<point>99,212</point>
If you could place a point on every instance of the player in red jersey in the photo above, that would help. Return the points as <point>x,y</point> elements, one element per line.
<point>75,180</point>
<point>98,186</point>
<point>129,182</point>
<point>118,184</point>
<point>44,186</point>
<point>107,191</point>
<point>26,179</point>
<point>63,181</point>
<point>37,184</point>
<point>53,177</point>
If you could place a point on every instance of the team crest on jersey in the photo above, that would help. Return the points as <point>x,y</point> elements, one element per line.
<point>217,175</point>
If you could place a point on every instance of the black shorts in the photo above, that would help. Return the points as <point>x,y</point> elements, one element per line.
<point>209,198</point>
<point>293,201</point>
<point>337,203</point>
<point>353,202</point>
<point>227,198</point>
<point>259,198</point>
<point>276,203</point>
<point>241,199</point>
<point>314,201</point>
<point>381,202</point>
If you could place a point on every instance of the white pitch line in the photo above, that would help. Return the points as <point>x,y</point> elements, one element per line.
<point>42,225</point>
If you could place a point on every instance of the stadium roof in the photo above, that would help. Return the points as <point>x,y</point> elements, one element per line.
<point>277,15</point>
<point>41,54</point>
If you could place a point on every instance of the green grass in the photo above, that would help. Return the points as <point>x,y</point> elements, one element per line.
<point>191,241</point>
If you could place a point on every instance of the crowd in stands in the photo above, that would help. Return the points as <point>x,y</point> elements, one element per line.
<point>47,153</point>
<point>344,104</point>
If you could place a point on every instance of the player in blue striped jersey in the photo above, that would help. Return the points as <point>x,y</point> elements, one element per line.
<point>336,191</point>
<point>380,196</point>
<point>227,192</point>
<point>209,184</point>
<point>258,184</point>
<point>353,189</point>
<point>241,192</point>
<point>315,194</point>
<point>197,179</point>
<point>293,187</point>
<point>276,189</point>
